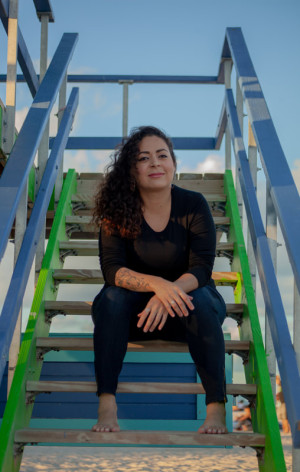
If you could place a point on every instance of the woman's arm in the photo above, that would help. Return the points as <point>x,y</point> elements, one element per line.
<point>171,294</point>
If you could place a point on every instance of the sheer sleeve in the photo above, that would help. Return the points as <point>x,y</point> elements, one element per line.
<point>202,237</point>
<point>112,255</point>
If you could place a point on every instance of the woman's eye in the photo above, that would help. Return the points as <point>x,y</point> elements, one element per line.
<point>142,158</point>
<point>163,156</point>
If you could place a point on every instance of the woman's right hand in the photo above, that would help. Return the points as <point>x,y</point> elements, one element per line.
<point>174,299</point>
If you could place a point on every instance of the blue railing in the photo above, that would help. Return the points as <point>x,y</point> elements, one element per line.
<point>15,175</point>
<point>286,201</point>
<point>16,171</point>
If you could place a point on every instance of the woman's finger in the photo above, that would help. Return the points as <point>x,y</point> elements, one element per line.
<point>163,321</point>
<point>143,316</point>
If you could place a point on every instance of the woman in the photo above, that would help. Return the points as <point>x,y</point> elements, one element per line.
<point>157,247</point>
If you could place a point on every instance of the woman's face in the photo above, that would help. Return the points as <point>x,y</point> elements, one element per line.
<point>154,168</point>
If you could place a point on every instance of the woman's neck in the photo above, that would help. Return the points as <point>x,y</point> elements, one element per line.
<point>156,201</point>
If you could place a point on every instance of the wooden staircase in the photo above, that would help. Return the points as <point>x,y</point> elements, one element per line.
<point>73,234</point>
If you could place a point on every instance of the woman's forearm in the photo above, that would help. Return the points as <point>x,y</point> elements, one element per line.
<point>187,282</point>
<point>135,281</point>
<point>138,282</point>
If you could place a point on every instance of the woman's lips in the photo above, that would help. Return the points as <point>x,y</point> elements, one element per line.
<point>156,175</point>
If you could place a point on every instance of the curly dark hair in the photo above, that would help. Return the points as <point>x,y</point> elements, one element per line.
<point>118,205</point>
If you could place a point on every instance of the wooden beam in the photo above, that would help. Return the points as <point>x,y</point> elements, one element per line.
<point>150,438</point>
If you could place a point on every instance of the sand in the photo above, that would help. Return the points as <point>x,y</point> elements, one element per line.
<point>91,459</point>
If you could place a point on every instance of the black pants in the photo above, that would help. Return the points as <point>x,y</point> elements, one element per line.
<point>114,313</point>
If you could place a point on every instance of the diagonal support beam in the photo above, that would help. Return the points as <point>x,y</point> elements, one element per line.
<point>21,159</point>
<point>24,58</point>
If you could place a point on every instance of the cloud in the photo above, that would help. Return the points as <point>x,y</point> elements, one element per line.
<point>78,161</point>
<point>212,163</point>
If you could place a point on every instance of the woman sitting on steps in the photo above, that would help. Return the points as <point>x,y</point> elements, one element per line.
<point>157,247</point>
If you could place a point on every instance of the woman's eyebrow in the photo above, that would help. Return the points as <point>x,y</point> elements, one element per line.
<point>147,152</point>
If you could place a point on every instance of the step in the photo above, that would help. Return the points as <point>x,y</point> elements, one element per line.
<point>136,387</point>
<point>91,248</point>
<point>87,198</point>
<point>94,276</point>
<point>57,343</point>
<point>83,223</point>
<point>53,308</point>
<point>146,438</point>
<point>194,182</point>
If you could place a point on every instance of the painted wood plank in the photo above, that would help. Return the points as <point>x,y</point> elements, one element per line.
<point>91,247</point>
<point>88,198</point>
<point>84,308</point>
<point>168,438</point>
<point>90,187</point>
<point>86,344</point>
<point>94,276</point>
<point>136,387</point>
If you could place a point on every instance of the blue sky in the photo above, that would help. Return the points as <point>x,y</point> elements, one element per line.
<point>171,37</point>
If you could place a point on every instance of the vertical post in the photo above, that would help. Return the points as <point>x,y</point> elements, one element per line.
<point>44,144</point>
<point>271,232</point>
<point>125,110</point>
<point>8,141</point>
<point>296,342</point>
<point>125,84</point>
<point>12,45</point>
<point>61,106</point>
<point>227,74</point>
<point>240,114</point>
<point>252,158</point>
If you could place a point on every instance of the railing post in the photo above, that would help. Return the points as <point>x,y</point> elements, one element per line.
<point>240,114</point>
<point>296,343</point>
<point>44,144</point>
<point>11,78</point>
<point>227,75</point>
<point>8,141</point>
<point>61,106</point>
<point>252,158</point>
<point>125,84</point>
<point>271,231</point>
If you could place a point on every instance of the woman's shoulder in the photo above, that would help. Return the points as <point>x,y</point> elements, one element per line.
<point>187,196</point>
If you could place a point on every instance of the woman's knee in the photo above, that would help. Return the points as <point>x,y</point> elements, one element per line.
<point>113,302</point>
<point>208,302</point>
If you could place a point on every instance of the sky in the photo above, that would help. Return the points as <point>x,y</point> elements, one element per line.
<point>168,37</point>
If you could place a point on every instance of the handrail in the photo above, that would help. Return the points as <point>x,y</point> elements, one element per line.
<point>285,353</point>
<point>278,174</point>
<point>23,265</point>
<point>17,169</point>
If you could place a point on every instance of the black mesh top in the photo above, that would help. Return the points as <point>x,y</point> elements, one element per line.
<point>186,245</point>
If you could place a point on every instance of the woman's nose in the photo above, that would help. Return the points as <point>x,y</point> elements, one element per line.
<point>154,160</point>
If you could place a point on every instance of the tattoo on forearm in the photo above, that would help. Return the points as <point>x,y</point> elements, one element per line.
<point>125,279</point>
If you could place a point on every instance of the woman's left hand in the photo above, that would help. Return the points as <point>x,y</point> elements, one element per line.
<point>155,313</point>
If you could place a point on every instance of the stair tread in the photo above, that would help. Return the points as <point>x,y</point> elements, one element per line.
<point>136,387</point>
<point>87,197</point>
<point>94,276</point>
<point>86,219</point>
<point>84,308</point>
<point>185,438</point>
<point>86,344</point>
<point>91,247</point>
<point>193,182</point>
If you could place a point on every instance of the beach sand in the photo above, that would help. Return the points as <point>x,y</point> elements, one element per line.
<point>91,459</point>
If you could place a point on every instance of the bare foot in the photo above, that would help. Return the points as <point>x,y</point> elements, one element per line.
<point>107,414</point>
<point>215,422</point>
